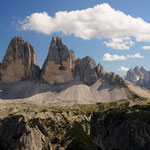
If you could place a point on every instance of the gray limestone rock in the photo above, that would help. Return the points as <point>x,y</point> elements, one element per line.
<point>19,62</point>
<point>113,79</point>
<point>100,70</point>
<point>139,76</point>
<point>85,69</point>
<point>58,52</point>
<point>59,65</point>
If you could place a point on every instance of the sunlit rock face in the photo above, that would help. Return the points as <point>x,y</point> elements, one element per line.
<point>59,65</point>
<point>87,70</point>
<point>19,62</point>
<point>139,76</point>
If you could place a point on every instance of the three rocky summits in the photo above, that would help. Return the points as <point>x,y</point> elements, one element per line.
<point>60,66</point>
<point>66,80</point>
<point>62,78</point>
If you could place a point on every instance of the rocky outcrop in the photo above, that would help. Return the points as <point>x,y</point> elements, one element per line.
<point>131,76</point>
<point>139,76</point>
<point>19,63</point>
<point>59,65</point>
<point>48,129</point>
<point>130,134</point>
<point>100,70</point>
<point>122,128</point>
<point>111,126</point>
<point>113,79</point>
<point>87,71</point>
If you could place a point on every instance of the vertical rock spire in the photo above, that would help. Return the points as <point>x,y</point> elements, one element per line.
<point>19,62</point>
<point>59,65</point>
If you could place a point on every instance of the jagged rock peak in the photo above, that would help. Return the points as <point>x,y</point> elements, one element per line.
<point>87,70</point>
<point>134,75</point>
<point>139,76</point>
<point>58,52</point>
<point>20,49</point>
<point>113,79</point>
<point>56,41</point>
<point>19,62</point>
<point>59,65</point>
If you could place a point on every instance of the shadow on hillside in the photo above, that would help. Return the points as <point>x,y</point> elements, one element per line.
<point>29,88</point>
<point>11,130</point>
<point>110,87</point>
<point>26,89</point>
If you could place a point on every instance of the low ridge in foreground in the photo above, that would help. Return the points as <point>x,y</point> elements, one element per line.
<point>121,125</point>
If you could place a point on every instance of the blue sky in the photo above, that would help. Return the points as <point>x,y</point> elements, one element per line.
<point>104,32</point>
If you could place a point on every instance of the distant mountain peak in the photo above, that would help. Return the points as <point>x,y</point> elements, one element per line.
<point>139,76</point>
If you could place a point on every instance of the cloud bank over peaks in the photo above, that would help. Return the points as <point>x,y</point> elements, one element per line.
<point>100,22</point>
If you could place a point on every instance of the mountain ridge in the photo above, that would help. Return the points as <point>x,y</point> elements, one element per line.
<point>62,79</point>
<point>139,76</point>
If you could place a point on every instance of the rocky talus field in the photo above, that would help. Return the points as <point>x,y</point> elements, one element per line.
<point>68,103</point>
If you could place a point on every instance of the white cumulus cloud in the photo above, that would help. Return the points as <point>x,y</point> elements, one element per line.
<point>109,57</point>
<point>101,21</point>
<point>137,55</point>
<point>123,69</point>
<point>120,43</point>
<point>146,47</point>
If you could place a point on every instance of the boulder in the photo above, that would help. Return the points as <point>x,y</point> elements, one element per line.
<point>59,64</point>
<point>19,62</point>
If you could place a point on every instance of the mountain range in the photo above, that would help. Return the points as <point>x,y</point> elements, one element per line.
<point>62,78</point>
<point>69,103</point>
<point>139,76</point>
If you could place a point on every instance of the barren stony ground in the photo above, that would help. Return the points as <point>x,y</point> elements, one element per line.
<point>71,93</point>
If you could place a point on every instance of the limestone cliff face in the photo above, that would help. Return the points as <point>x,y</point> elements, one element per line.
<point>19,62</point>
<point>59,65</point>
<point>139,76</point>
<point>100,70</point>
<point>113,79</point>
<point>87,70</point>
